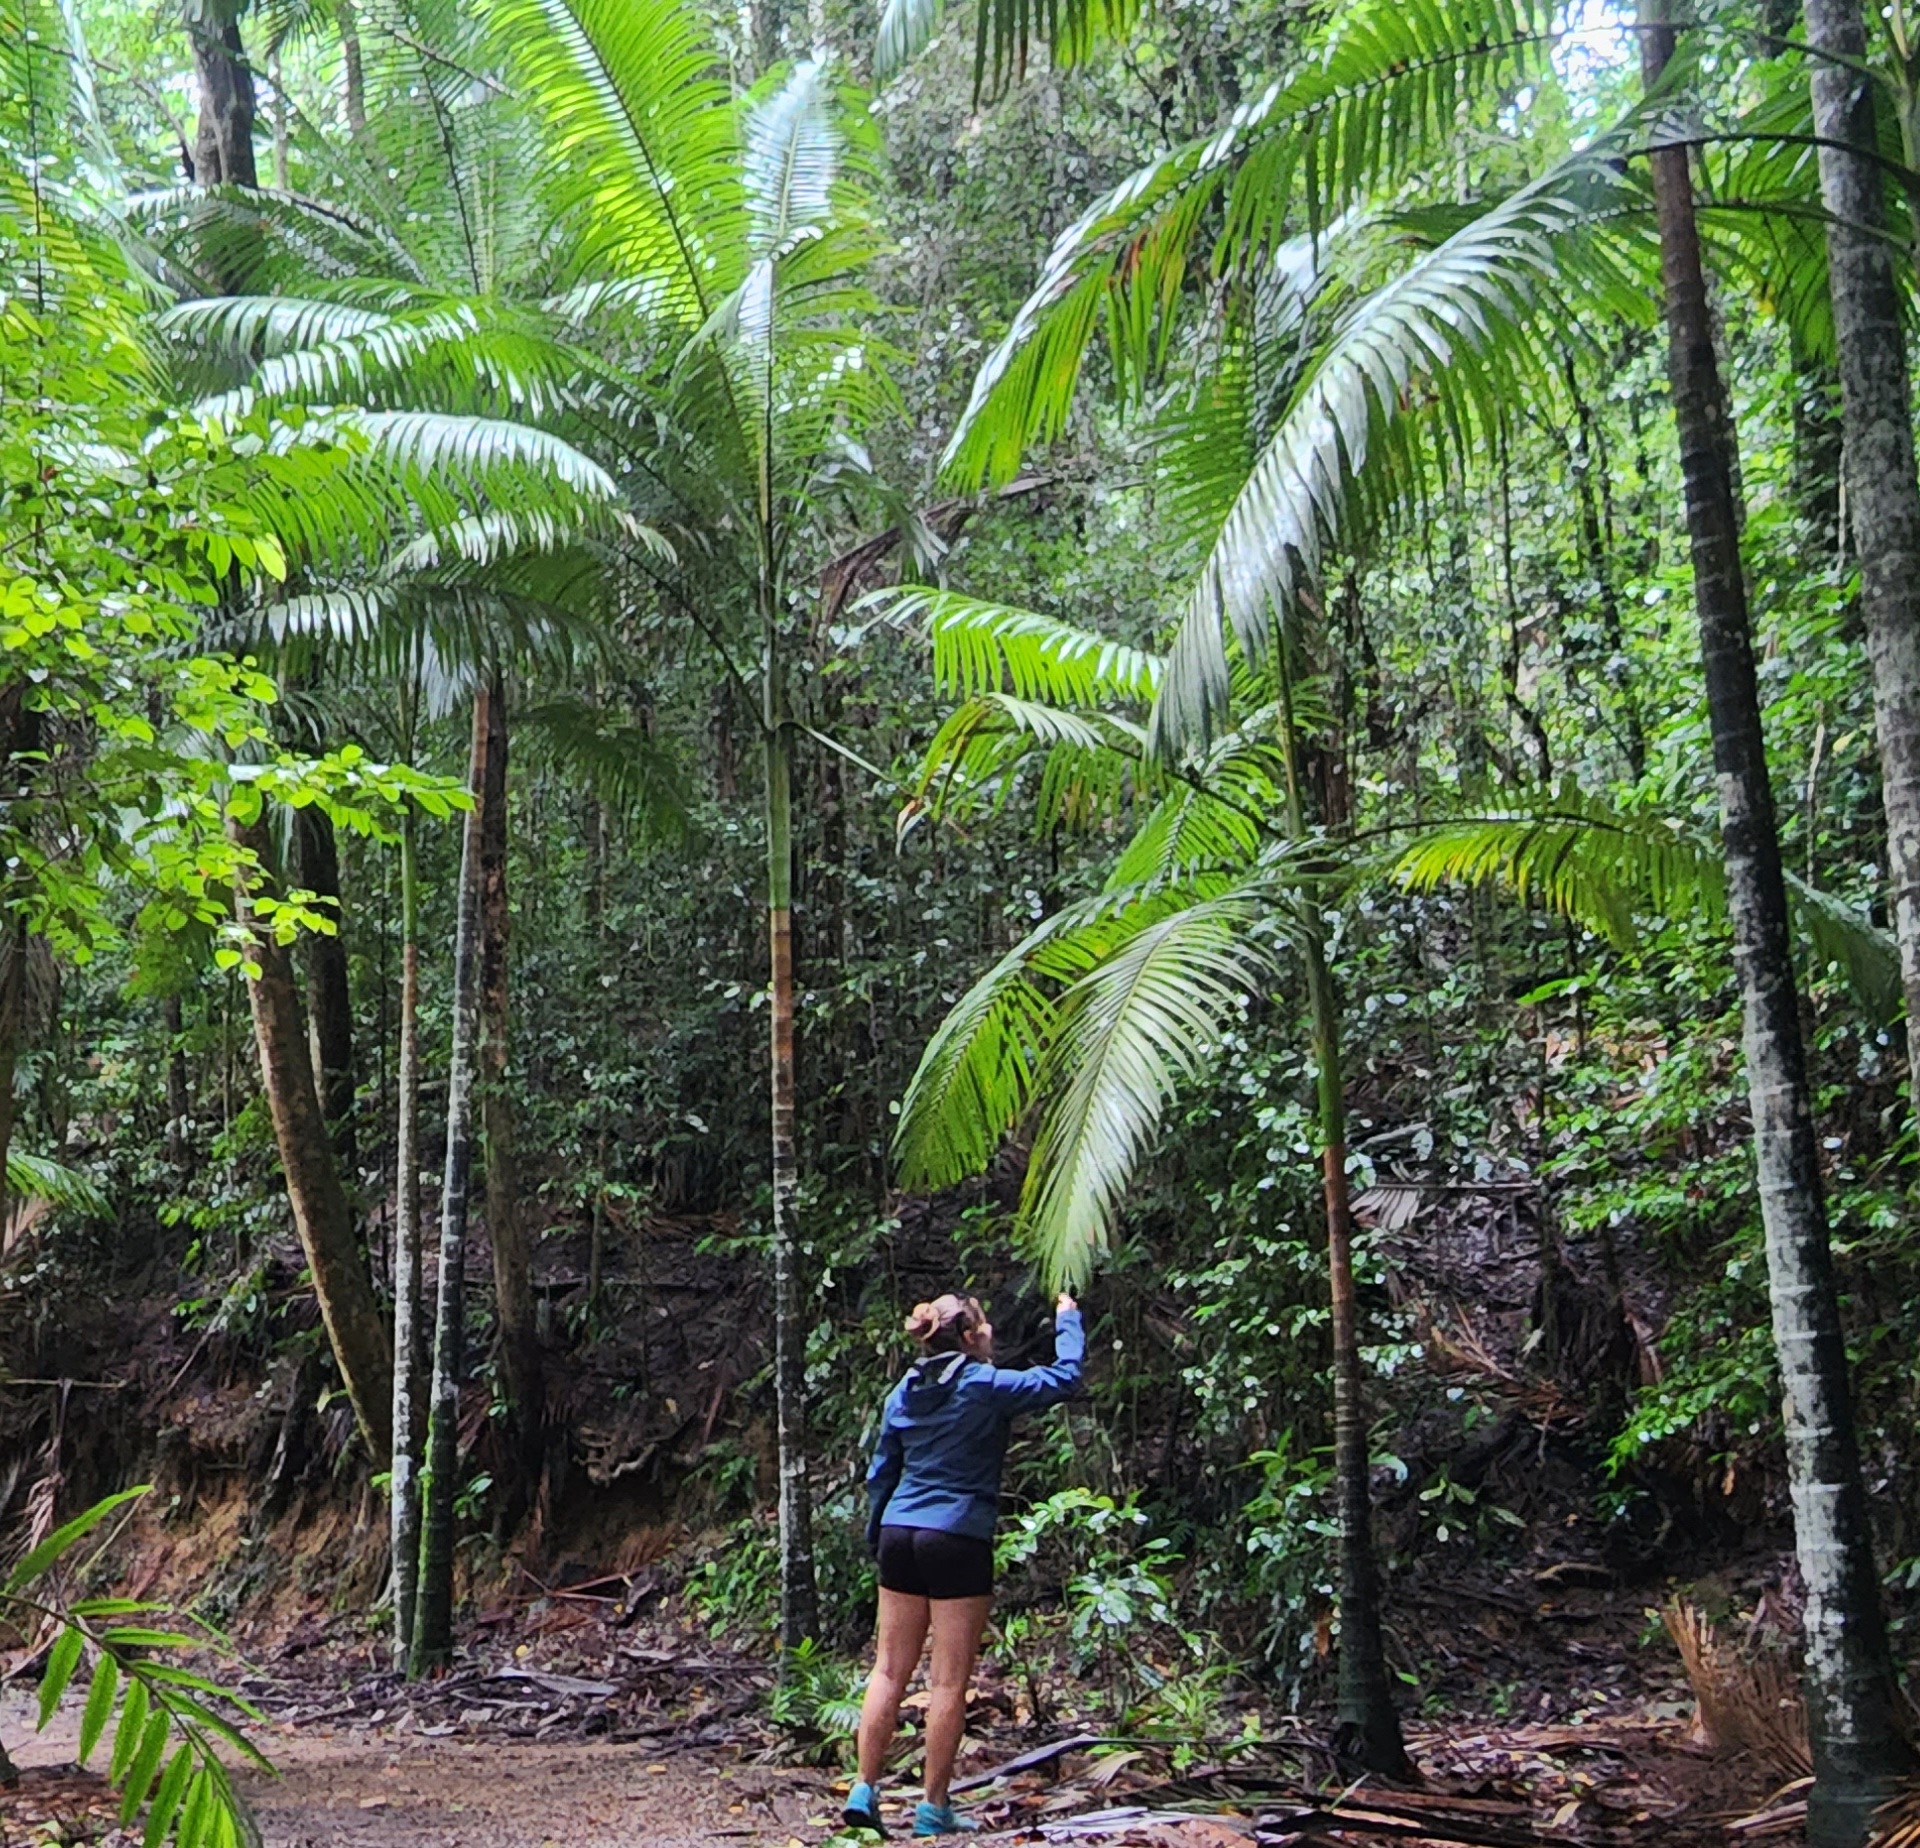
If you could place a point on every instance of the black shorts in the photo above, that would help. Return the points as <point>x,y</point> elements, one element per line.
<point>925,1562</point>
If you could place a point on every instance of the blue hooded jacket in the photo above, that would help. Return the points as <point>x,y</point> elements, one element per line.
<point>943,1435</point>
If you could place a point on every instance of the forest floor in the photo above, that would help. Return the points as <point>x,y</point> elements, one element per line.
<point>601,1737</point>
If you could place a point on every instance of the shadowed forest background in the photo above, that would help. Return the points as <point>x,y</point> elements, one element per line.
<point>673,676</point>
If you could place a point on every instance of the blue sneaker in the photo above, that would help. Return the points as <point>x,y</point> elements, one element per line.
<point>939,1819</point>
<point>863,1809</point>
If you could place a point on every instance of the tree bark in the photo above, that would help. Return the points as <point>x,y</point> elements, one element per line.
<point>1369,1726</point>
<point>1849,1690</point>
<point>179,1088</point>
<point>519,1343</point>
<point>20,728</point>
<point>355,83</point>
<point>433,1619</point>
<point>1883,494</point>
<point>223,135</point>
<point>329,995</point>
<point>13,989</point>
<point>798,1596</point>
<point>409,1331</point>
<point>320,1212</point>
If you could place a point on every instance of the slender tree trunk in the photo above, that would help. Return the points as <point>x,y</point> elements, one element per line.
<point>354,1325</point>
<point>223,136</point>
<point>1369,1728</point>
<point>282,141</point>
<point>348,26</point>
<point>798,1605</point>
<point>1849,1687</point>
<point>519,1343</point>
<point>20,728</point>
<point>409,1343</point>
<point>1368,1723</point>
<point>433,1619</point>
<point>329,994</point>
<point>13,990</point>
<point>179,1088</point>
<point>1883,494</point>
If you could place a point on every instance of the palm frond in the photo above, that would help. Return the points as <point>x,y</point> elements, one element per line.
<point>1190,830</point>
<point>627,768</point>
<point>981,647</point>
<point>1146,1019</point>
<point>491,456</point>
<point>1577,856</point>
<point>1004,34</point>
<point>1841,937</point>
<point>975,1078</point>
<point>1383,89</point>
<point>643,154</point>
<point>1608,870</point>
<point>790,161</point>
<point>986,737</point>
<point>1449,337</point>
<point>35,1177</point>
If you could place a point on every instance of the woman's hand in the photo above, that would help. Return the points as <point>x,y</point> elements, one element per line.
<point>1063,1302</point>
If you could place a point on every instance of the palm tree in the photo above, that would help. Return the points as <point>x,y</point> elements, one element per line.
<point>1852,1700</point>
<point>734,236</point>
<point>1084,1032</point>
<point>1883,492</point>
<point>701,334</point>
<point>1363,112</point>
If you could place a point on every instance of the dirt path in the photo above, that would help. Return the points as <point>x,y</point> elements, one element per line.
<point>364,1789</point>
<point>459,1793</point>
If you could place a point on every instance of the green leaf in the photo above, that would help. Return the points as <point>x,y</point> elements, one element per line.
<point>167,1799</point>
<point>129,1734</point>
<point>196,1813</point>
<point>1144,1020</point>
<point>34,1177</point>
<point>56,1543</point>
<point>99,1707</point>
<point>62,1659</point>
<point>146,1763</point>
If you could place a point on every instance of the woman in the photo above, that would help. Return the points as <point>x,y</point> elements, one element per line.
<point>934,1489</point>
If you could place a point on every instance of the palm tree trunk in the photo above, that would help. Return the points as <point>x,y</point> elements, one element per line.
<point>329,995</point>
<point>13,990</point>
<point>519,1345</point>
<point>1882,491</point>
<point>798,1598</point>
<point>433,1618</point>
<point>1369,1727</point>
<point>1849,1688</point>
<point>351,65</point>
<point>409,1345</point>
<point>223,135</point>
<point>320,1212</point>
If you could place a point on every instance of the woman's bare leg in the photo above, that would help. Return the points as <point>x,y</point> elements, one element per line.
<point>903,1634</point>
<point>958,1624</point>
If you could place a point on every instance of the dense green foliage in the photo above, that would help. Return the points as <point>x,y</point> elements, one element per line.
<point>1186,503</point>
